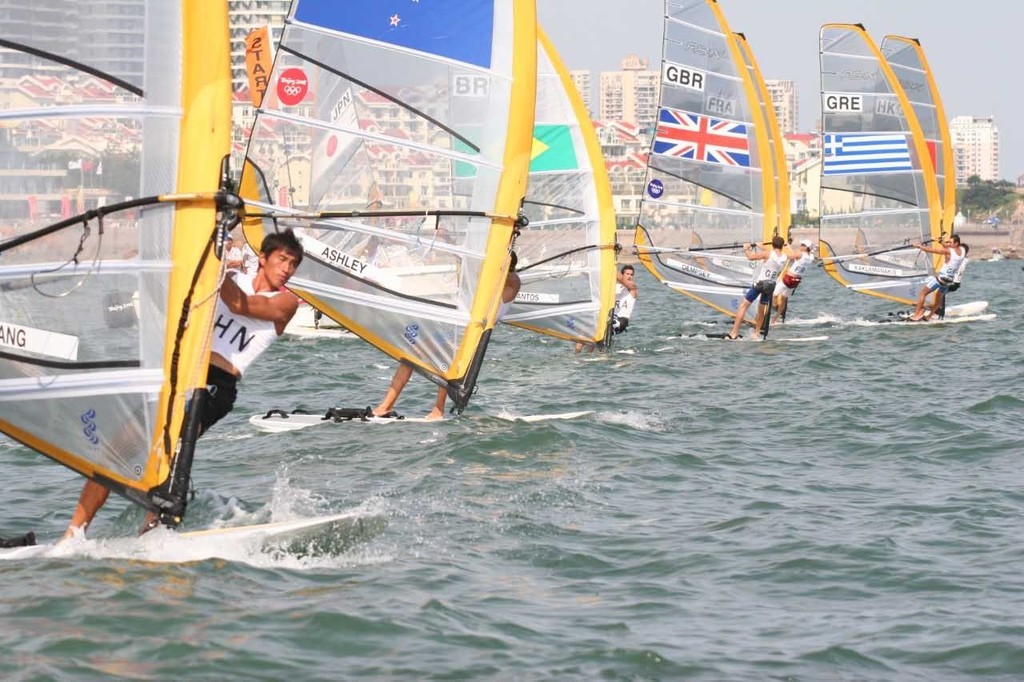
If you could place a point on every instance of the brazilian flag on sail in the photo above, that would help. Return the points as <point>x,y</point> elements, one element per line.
<point>552,149</point>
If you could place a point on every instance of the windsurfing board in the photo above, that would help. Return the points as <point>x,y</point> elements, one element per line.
<point>277,423</point>
<point>770,339</point>
<point>296,530</point>
<point>960,319</point>
<point>320,332</point>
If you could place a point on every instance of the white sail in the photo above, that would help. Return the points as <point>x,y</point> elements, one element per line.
<point>878,187</point>
<point>907,60</point>
<point>566,253</point>
<point>397,144</point>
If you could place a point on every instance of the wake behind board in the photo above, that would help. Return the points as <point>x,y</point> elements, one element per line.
<point>544,417</point>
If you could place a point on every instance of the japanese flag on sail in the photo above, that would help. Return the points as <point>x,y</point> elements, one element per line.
<point>701,138</point>
<point>332,147</point>
<point>846,153</point>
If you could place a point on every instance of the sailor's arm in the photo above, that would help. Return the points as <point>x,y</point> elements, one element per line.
<point>937,250</point>
<point>748,251</point>
<point>278,309</point>
<point>512,285</point>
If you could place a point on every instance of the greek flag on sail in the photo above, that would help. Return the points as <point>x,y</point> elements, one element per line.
<point>846,153</point>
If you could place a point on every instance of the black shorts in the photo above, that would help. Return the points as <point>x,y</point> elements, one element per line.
<point>223,389</point>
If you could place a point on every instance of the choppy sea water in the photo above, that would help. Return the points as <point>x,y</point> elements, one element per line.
<point>846,509</point>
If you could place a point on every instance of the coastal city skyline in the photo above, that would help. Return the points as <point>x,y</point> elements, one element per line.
<point>967,55</point>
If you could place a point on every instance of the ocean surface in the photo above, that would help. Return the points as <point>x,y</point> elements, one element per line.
<point>842,509</point>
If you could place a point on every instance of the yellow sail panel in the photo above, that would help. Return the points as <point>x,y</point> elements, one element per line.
<point>567,252</point>
<point>258,63</point>
<point>204,141</point>
<point>512,187</point>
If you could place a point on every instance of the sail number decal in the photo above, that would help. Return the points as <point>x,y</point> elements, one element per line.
<point>834,102</point>
<point>684,77</point>
<point>874,270</point>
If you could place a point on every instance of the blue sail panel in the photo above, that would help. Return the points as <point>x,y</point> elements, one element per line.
<point>455,29</point>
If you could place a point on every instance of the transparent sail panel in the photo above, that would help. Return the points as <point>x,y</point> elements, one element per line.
<point>82,310</point>
<point>907,59</point>
<point>565,253</point>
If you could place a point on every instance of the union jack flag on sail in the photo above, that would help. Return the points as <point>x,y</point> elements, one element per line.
<point>701,138</point>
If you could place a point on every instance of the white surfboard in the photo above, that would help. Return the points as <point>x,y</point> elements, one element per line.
<point>741,339</point>
<point>294,531</point>
<point>956,319</point>
<point>277,423</point>
<point>24,552</point>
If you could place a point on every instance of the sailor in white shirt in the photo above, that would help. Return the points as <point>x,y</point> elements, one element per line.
<point>252,311</point>
<point>764,281</point>
<point>953,254</point>
<point>791,277</point>
<point>626,293</point>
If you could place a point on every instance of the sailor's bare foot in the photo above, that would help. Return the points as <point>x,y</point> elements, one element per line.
<point>435,415</point>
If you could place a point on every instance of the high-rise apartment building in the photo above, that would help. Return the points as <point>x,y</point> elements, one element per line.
<point>630,94</point>
<point>785,103</point>
<point>581,79</point>
<point>975,147</point>
<point>114,29</point>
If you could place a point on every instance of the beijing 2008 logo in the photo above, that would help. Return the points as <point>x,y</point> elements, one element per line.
<point>655,188</point>
<point>292,86</point>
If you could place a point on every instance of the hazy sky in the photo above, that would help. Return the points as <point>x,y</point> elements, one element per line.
<point>976,49</point>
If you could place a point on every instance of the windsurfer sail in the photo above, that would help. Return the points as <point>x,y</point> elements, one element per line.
<point>906,58</point>
<point>878,186</point>
<point>711,182</point>
<point>567,252</point>
<point>114,401</point>
<point>432,106</point>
